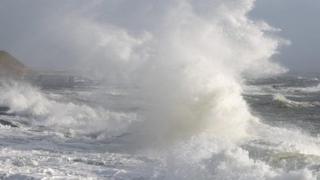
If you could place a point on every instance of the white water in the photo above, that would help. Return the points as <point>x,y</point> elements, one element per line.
<point>182,62</point>
<point>285,102</point>
<point>311,89</point>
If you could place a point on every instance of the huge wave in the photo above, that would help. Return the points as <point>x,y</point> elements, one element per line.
<point>187,59</point>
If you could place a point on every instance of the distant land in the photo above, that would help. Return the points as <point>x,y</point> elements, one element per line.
<point>11,67</point>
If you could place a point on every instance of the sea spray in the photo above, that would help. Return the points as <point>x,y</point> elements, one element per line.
<point>188,60</point>
<point>181,64</point>
<point>70,119</point>
<point>186,57</point>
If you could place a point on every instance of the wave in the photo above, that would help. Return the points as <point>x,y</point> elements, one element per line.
<point>310,89</point>
<point>285,102</point>
<point>187,58</point>
<point>72,119</point>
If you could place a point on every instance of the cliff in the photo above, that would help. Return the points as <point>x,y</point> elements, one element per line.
<point>10,66</point>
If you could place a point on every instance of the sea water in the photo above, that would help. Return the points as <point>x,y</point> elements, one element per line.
<point>179,89</point>
<point>71,133</point>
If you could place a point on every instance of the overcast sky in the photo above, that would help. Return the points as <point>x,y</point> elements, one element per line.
<point>298,19</point>
<point>300,23</point>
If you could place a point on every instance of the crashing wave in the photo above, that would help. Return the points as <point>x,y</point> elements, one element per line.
<point>283,101</point>
<point>24,100</point>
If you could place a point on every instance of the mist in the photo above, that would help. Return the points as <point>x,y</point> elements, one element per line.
<point>185,56</point>
<point>38,33</point>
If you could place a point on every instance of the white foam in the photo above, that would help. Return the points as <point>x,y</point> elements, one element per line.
<point>25,100</point>
<point>311,89</point>
<point>284,101</point>
<point>187,58</point>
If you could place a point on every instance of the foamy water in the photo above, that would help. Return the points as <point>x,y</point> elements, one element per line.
<point>67,138</point>
<point>171,101</point>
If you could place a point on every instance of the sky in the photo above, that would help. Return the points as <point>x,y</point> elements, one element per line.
<point>297,19</point>
<point>300,24</point>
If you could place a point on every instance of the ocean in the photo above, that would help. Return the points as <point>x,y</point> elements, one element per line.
<point>96,131</point>
<point>150,89</point>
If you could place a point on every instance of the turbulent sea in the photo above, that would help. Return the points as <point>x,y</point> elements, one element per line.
<point>162,90</point>
<point>94,131</point>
